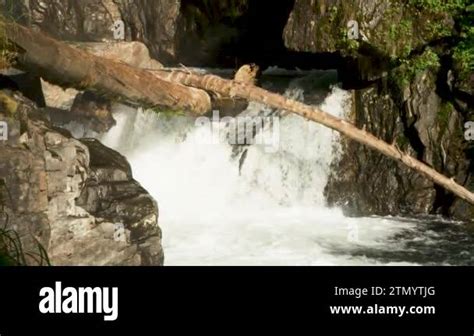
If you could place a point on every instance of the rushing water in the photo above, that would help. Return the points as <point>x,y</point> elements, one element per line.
<point>222,204</point>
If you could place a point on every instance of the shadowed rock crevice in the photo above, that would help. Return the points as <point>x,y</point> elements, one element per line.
<point>232,33</point>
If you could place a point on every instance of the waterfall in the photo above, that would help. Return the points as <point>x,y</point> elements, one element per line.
<point>250,206</point>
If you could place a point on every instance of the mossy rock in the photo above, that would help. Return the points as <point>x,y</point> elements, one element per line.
<point>392,27</point>
<point>8,105</point>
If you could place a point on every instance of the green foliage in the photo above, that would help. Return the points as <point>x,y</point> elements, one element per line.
<point>352,45</point>
<point>463,52</point>
<point>401,30</point>
<point>8,104</point>
<point>464,57</point>
<point>411,68</point>
<point>439,15</point>
<point>437,29</point>
<point>347,45</point>
<point>439,6</point>
<point>405,27</point>
<point>167,113</point>
<point>434,17</point>
<point>333,13</point>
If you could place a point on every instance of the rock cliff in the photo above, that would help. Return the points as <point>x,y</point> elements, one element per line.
<point>403,65</point>
<point>75,198</point>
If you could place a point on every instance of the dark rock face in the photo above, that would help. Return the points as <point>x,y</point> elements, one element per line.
<point>366,182</point>
<point>420,123</point>
<point>321,26</point>
<point>111,194</point>
<point>411,103</point>
<point>461,209</point>
<point>232,32</point>
<point>77,199</point>
<point>386,30</point>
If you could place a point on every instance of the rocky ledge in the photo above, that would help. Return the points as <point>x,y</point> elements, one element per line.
<point>75,198</point>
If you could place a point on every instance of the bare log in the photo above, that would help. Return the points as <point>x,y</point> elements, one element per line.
<point>234,89</point>
<point>66,66</point>
<point>136,54</point>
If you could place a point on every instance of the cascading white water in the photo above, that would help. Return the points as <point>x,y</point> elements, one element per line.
<point>269,212</point>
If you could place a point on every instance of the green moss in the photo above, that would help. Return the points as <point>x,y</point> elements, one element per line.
<point>8,104</point>
<point>333,12</point>
<point>408,25</point>
<point>411,68</point>
<point>401,31</point>
<point>349,47</point>
<point>404,34</point>
<point>437,29</point>
<point>405,27</point>
<point>462,12</point>
<point>464,58</point>
<point>463,53</point>
<point>439,6</point>
<point>167,113</point>
<point>392,32</point>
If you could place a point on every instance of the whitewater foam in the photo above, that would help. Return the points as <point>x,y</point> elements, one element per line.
<point>270,212</point>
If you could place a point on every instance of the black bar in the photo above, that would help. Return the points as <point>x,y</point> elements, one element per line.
<point>246,300</point>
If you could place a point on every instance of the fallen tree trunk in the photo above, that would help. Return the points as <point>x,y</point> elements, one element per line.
<point>136,54</point>
<point>66,66</point>
<point>233,89</point>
